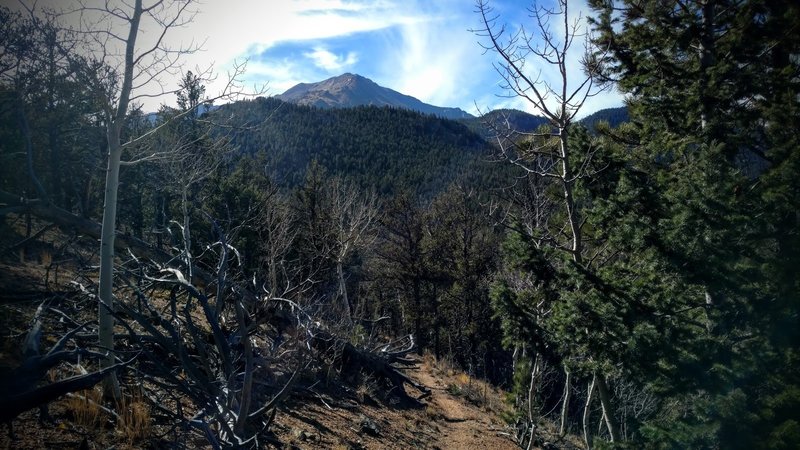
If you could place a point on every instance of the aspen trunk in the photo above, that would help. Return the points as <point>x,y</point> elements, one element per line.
<point>113,130</point>
<point>106,290</point>
<point>343,292</point>
<point>586,412</point>
<point>569,200</point>
<point>608,413</point>
<point>565,405</point>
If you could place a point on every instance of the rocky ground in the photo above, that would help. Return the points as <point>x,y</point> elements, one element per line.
<point>459,414</point>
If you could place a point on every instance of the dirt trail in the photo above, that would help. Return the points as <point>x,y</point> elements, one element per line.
<point>462,426</point>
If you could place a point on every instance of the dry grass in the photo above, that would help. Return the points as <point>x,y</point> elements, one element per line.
<point>363,392</point>
<point>85,408</point>
<point>432,413</point>
<point>133,422</point>
<point>46,258</point>
<point>459,384</point>
<point>132,415</point>
<point>475,392</point>
<point>444,367</point>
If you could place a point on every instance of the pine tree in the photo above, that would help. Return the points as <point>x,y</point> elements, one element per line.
<point>459,247</point>
<point>405,263</point>
<point>713,90</point>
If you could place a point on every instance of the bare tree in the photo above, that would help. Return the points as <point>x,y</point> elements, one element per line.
<point>121,67</point>
<point>188,152</point>
<point>538,68</point>
<point>116,87</point>
<point>353,218</point>
<point>276,234</point>
<point>226,387</point>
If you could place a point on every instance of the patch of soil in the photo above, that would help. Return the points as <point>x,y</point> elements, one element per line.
<point>462,424</point>
<point>443,421</point>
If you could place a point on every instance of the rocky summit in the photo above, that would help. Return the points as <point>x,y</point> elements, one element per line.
<point>350,90</point>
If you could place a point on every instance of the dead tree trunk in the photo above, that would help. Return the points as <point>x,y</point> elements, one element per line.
<point>605,401</point>
<point>586,412</point>
<point>378,362</point>
<point>565,404</point>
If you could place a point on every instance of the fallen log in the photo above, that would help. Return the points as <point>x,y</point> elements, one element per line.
<point>18,403</point>
<point>19,387</point>
<point>379,364</point>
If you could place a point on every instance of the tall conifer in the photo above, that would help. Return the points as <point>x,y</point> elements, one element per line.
<point>714,93</point>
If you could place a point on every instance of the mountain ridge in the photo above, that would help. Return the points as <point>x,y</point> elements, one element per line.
<point>389,149</point>
<point>525,122</point>
<point>349,90</point>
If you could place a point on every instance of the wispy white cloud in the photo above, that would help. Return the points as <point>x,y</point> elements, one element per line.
<point>436,59</point>
<point>327,60</point>
<point>431,62</point>
<point>243,29</point>
<point>418,47</point>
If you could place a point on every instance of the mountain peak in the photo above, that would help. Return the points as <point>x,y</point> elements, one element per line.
<point>349,90</point>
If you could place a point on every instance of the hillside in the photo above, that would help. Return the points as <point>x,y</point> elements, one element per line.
<point>614,117</point>
<point>343,413</point>
<point>498,120</point>
<point>521,121</point>
<point>460,414</point>
<point>348,90</point>
<point>385,148</point>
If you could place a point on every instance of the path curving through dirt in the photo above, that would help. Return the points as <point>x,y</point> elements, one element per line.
<point>462,426</point>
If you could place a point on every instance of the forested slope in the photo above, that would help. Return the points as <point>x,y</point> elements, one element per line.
<point>381,147</point>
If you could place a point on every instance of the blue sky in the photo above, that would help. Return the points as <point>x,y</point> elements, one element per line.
<point>421,48</point>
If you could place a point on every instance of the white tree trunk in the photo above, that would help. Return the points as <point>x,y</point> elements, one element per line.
<point>608,413</point>
<point>533,388</point>
<point>114,126</point>
<point>106,289</point>
<point>586,412</point>
<point>565,405</point>
<point>187,237</point>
